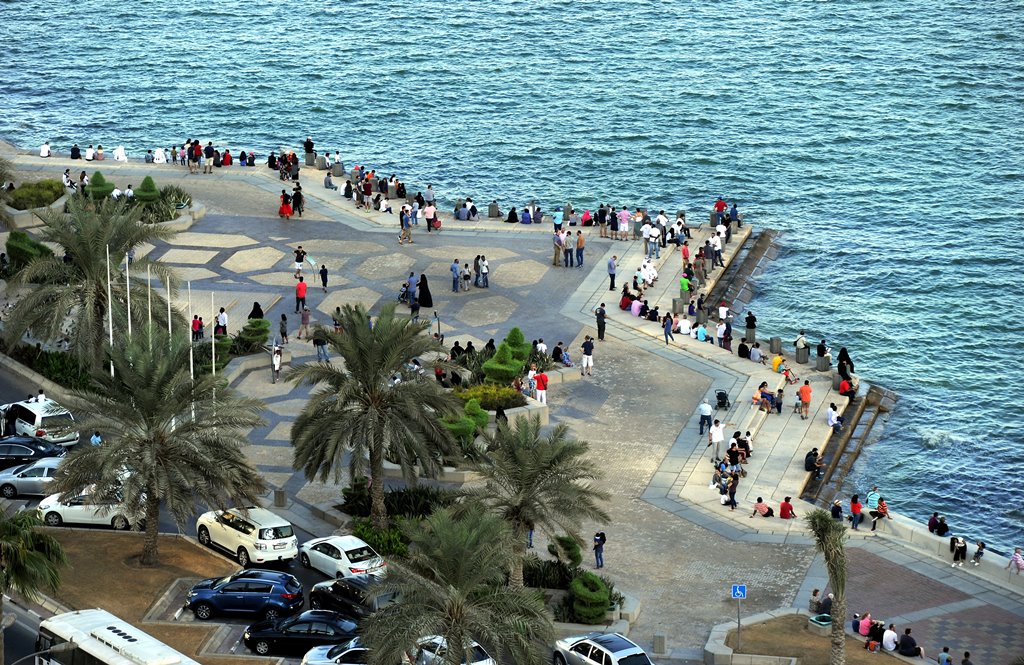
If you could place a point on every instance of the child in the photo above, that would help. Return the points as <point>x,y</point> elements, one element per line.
<point>1016,560</point>
<point>978,553</point>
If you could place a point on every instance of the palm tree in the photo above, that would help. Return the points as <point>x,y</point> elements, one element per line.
<point>68,295</point>
<point>30,561</point>
<point>359,409</point>
<point>170,441</point>
<point>541,481</point>
<point>830,538</point>
<point>452,586</point>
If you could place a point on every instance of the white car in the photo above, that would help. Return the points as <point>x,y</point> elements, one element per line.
<point>347,653</point>
<point>46,420</point>
<point>432,651</point>
<point>84,509</point>
<point>251,535</point>
<point>599,649</point>
<point>341,556</point>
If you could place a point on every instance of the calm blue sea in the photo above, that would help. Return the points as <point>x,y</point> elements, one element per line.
<point>885,139</point>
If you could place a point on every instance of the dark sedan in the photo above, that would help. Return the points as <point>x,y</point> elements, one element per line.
<point>298,634</point>
<point>353,597</point>
<point>18,449</point>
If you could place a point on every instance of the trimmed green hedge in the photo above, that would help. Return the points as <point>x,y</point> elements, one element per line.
<point>60,367</point>
<point>98,187</point>
<point>23,248</point>
<point>490,396</point>
<point>568,547</point>
<point>36,194</point>
<point>503,366</point>
<point>251,337</point>
<point>590,598</point>
<point>147,191</point>
<point>415,502</point>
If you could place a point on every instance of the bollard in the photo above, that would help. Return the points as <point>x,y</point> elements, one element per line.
<point>280,498</point>
<point>310,158</point>
<point>702,316</point>
<point>338,170</point>
<point>493,211</point>
<point>803,355</point>
<point>836,380</point>
<point>822,364</point>
<point>660,644</point>
<point>392,191</point>
<point>679,305</point>
<point>321,163</point>
<point>751,335</point>
<point>776,345</point>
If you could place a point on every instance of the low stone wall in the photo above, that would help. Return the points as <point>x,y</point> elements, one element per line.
<point>21,219</point>
<point>186,219</point>
<point>717,653</point>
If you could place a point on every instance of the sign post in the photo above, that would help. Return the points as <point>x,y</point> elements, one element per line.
<point>739,592</point>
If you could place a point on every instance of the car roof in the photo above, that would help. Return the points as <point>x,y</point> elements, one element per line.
<point>47,408</point>
<point>361,581</point>
<point>344,542</point>
<point>23,440</point>
<point>257,574</point>
<point>260,516</point>
<point>615,643</point>
<point>327,615</point>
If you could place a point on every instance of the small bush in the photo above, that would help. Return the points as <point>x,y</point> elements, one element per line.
<point>477,414</point>
<point>414,502</point>
<point>491,396</point>
<point>474,364</point>
<point>36,194</point>
<point>252,337</point>
<point>546,573</point>
<point>22,249</point>
<point>568,548</point>
<point>59,367</point>
<point>503,366</point>
<point>176,196</point>
<point>517,343</point>
<point>98,187</point>
<point>590,598</point>
<point>389,542</point>
<point>203,353</point>
<point>147,191</point>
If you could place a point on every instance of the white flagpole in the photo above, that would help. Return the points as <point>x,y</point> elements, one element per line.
<point>213,339</point>
<point>128,287</point>
<point>149,303</point>
<point>191,367</point>
<point>110,312</point>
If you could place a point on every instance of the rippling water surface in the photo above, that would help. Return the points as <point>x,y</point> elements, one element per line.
<point>884,139</point>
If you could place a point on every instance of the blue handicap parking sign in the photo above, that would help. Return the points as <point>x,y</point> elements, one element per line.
<point>739,591</point>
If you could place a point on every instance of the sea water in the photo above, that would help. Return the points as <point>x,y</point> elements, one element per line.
<point>883,138</point>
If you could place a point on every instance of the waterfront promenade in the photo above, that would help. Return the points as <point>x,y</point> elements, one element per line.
<point>670,543</point>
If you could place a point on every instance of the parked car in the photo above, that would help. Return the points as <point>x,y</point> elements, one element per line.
<point>251,535</point>
<point>45,420</point>
<point>341,556</point>
<point>20,449</point>
<point>85,509</point>
<point>349,653</point>
<point>610,649</point>
<point>298,634</point>
<point>268,593</point>
<point>31,478</point>
<point>432,651</point>
<point>353,597</point>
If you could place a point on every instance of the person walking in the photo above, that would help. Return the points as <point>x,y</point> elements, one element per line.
<point>611,273</point>
<point>600,315</point>
<point>587,364</point>
<point>1016,561</point>
<point>541,381</point>
<point>805,400</point>
<point>666,324</point>
<point>455,275</point>
<point>304,323</point>
<point>580,243</point>
<point>300,259</point>
<point>705,410</point>
<point>476,271</point>
<point>275,364</point>
<point>323,276</point>
<point>485,271</point>
<point>599,540</point>
<point>466,276</point>
<point>298,200</point>
<point>300,294</point>
<point>283,328</point>
<point>320,344</point>
<point>222,323</point>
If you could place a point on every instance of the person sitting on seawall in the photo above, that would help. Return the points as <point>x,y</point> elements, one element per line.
<point>637,307</point>
<point>835,421</point>
<point>882,511</point>
<point>120,155</point>
<point>786,511</point>
<point>937,525</point>
<point>329,182</point>
<point>226,159</point>
<point>76,152</point>
<point>98,156</point>
<point>513,216</point>
<point>148,158</point>
<point>756,355</point>
<point>762,508</point>
<point>846,389</point>
<point>907,646</point>
<point>826,605</point>
<point>813,462</point>
<point>626,301</point>
<point>824,351</point>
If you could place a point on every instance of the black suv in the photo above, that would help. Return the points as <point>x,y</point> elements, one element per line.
<point>18,449</point>
<point>348,596</point>
<point>267,593</point>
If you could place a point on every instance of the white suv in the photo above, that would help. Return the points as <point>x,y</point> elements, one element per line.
<point>252,535</point>
<point>44,420</point>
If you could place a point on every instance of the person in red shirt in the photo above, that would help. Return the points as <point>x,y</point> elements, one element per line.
<point>786,511</point>
<point>805,400</point>
<point>720,207</point>
<point>300,294</point>
<point>846,389</point>
<point>855,511</point>
<point>541,381</point>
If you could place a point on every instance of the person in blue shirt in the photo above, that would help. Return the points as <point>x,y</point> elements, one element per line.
<point>526,216</point>
<point>455,275</point>
<point>734,216</point>
<point>96,439</point>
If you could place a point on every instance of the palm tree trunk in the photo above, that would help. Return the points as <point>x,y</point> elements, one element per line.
<point>2,645</point>
<point>515,573</point>
<point>150,556</point>
<point>837,655</point>
<point>378,512</point>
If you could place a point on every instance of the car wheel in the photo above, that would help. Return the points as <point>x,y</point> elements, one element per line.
<point>315,603</point>
<point>304,560</point>
<point>53,519</point>
<point>9,491</point>
<point>203,611</point>
<point>272,614</point>
<point>120,523</point>
<point>558,659</point>
<point>262,648</point>
<point>243,557</point>
<point>204,536</point>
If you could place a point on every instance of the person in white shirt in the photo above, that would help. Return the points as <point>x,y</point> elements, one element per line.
<point>720,230</point>
<point>116,194</point>
<point>835,421</point>
<point>44,150</point>
<point>654,243</point>
<point>705,410</point>
<point>684,326</point>
<point>716,436</point>
<point>542,348</point>
<point>120,155</point>
<point>129,193</point>
<point>723,311</point>
<point>716,244</point>
<point>159,157</point>
<point>90,154</point>
<point>889,638</point>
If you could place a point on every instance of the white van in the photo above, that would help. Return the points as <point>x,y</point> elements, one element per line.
<point>46,420</point>
<point>251,535</point>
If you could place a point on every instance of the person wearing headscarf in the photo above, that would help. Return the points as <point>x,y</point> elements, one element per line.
<point>159,157</point>
<point>257,311</point>
<point>425,299</point>
<point>513,216</point>
<point>120,155</point>
<point>844,365</point>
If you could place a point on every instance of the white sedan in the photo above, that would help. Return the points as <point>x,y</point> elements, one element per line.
<point>83,509</point>
<point>341,556</point>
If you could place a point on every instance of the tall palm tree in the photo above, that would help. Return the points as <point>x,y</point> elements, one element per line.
<point>30,561</point>
<point>170,441</point>
<point>68,295</point>
<point>545,482</point>
<point>830,538</point>
<point>452,586</point>
<point>359,409</point>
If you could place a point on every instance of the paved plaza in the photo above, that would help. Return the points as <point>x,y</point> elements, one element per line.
<point>670,543</point>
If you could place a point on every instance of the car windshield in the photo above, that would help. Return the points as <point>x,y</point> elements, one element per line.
<point>635,659</point>
<point>292,587</point>
<point>20,468</point>
<point>277,532</point>
<point>58,421</point>
<point>222,581</point>
<point>383,599</point>
<point>360,554</point>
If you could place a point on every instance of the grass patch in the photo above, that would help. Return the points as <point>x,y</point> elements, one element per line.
<point>104,572</point>
<point>788,636</point>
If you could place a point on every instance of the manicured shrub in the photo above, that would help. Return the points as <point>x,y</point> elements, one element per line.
<point>503,366</point>
<point>414,502</point>
<point>23,248</point>
<point>57,366</point>
<point>476,413</point>
<point>98,187</point>
<point>251,337</point>
<point>546,573</point>
<point>590,598</point>
<point>203,354</point>
<point>147,191</point>
<point>36,194</point>
<point>492,396</point>
<point>568,548</point>
<point>519,346</point>
<point>387,542</point>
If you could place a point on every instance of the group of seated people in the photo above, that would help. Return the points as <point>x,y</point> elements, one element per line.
<point>786,511</point>
<point>637,306</point>
<point>467,212</point>
<point>766,400</point>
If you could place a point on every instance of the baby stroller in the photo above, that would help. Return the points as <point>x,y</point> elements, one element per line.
<point>722,399</point>
<point>403,294</point>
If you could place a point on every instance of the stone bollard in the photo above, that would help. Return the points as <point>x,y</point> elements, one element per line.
<point>354,176</point>
<point>709,265</point>
<point>679,305</point>
<point>822,364</point>
<point>776,345</point>
<point>836,379</point>
<point>803,355</point>
<point>310,159</point>
<point>751,335</point>
<point>338,170</point>
<point>702,316</point>
<point>280,498</point>
<point>493,211</point>
<point>660,644</point>
<point>321,163</point>
<point>392,191</point>
<point>713,219</point>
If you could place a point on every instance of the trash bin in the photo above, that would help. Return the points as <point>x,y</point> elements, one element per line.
<point>803,355</point>
<point>280,498</point>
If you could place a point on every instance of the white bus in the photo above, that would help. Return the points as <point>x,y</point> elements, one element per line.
<point>101,638</point>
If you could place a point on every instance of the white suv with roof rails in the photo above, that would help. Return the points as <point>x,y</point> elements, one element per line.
<point>46,420</point>
<point>251,535</point>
